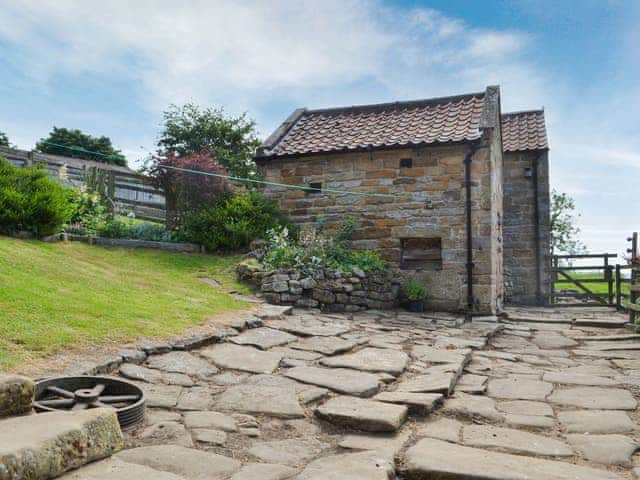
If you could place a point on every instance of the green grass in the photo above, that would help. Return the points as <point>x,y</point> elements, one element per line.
<point>594,287</point>
<point>54,296</point>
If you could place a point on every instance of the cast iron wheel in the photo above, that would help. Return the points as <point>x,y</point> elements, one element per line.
<point>80,393</point>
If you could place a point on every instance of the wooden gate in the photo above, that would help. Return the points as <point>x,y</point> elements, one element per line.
<point>634,280</point>
<point>592,285</point>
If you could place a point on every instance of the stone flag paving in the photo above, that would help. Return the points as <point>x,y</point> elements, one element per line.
<point>539,395</point>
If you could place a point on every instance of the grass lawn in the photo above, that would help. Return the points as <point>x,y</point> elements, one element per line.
<point>594,287</point>
<point>54,296</point>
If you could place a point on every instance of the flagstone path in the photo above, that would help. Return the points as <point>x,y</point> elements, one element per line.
<point>386,395</point>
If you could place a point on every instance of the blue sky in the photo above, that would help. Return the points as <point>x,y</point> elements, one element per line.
<point>110,68</point>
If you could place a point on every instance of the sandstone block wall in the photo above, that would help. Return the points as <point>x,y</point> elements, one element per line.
<point>428,202</point>
<point>519,226</point>
<point>331,291</point>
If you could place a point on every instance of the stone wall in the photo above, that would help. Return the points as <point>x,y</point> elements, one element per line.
<point>331,291</point>
<point>428,203</point>
<point>519,226</point>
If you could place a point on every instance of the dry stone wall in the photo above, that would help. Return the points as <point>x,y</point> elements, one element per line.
<point>331,291</point>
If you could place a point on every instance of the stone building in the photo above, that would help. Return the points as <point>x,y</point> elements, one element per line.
<point>526,208</point>
<point>427,189</point>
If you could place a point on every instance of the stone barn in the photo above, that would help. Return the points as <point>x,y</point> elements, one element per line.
<point>458,209</point>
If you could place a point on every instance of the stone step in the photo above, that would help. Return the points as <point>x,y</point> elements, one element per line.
<point>46,445</point>
<point>430,458</point>
<point>361,414</point>
<point>16,395</point>
<point>114,469</point>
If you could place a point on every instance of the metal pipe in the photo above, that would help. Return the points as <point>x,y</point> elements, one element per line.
<point>473,147</point>
<point>536,220</point>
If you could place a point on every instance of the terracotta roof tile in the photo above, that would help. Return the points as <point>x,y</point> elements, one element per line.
<point>441,120</point>
<point>524,131</point>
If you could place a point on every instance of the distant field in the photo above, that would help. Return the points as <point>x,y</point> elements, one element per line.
<point>54,296</point>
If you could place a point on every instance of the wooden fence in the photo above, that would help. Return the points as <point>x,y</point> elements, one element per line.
<point>583,293</point>
<point>127,190</point>
<point>634,280</point>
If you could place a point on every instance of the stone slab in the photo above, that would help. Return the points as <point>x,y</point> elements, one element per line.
<point>444,428</point>
<point>429,354</point>
<point>276,401</point>
<point>452,343</point>
<point>529,421</point>
<point>310,327</point>
<point>606,449</point>
<point>161,396</point>
<point>294,451</point>
<point>434,381</point>
<point>431,458</point>
<point>48,444</point>
<point>366,415</point>
<point>598,398</point>
<point>264,471</point>
<point>16,395</point>
<point>602,322</point>
<point>471,383</point>
<point>473,407</point>
<point>525,407</point>
<point>324,345</point>
<point>369,465</point>
<point>550,340</point>
<point>246,359</point>
<point>209,436</point>
<point>114,469</point>
<point>196,398</point>
<point>182,362</point>
<point>341,380</point>
<point>207,419</point>
<point>307,355</point>
<point>568,378</point>
<point>166,433</point>
<point>596,421</point>
<point>518,388</point>
<point>514,441</point>
<point>371,360</point>
<point>189,463</point>
<point>609,338</point>
<point>386,444</point>
<point>264,338</point>
<point>272,312</point>
<point>418,403</point>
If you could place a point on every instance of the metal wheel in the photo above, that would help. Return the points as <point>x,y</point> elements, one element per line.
<point>80,393</point>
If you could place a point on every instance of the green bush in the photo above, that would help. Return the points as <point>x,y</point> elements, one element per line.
<point>135,230</point>
<point>31,202</point>
<point>90,214</point>
<point>414,291</point>
<point>316,250</point>
<point>234,223</point>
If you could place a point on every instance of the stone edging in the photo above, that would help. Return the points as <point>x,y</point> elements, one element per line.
<point>331,291</point>
<point>126,242</point>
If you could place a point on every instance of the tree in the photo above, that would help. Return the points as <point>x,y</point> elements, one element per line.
<point>564,231</point>
<point>75,144</point>
<point>4,140</point>
<point>230,140</point>
<point>186,192</point>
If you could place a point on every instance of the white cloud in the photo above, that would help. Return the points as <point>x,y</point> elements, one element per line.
<point>234,52</point>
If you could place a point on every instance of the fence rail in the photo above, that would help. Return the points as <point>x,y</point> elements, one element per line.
<point>128,191</point>
<point>634,280</point>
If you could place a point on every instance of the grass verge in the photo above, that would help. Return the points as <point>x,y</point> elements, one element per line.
<point>55,296</point>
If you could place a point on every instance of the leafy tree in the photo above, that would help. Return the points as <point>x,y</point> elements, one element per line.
<point>184,191</point>
<point>75,144</point>
<point>230,140</point>
<point>4,140</point>
<point>564,231</point>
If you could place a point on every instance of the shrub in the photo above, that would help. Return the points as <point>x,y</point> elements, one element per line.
<point>30,201</point>
<point>90,213</point>
<point>414,291</point>
<point>135,230</point>
<point>186,191</point>
<point>316,250</point>
<point>233,223</point>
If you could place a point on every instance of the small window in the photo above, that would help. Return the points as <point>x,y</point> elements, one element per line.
<point>421,253</point>
<point>314,188</point>
<point>528,172</point>
<point>406,163</point>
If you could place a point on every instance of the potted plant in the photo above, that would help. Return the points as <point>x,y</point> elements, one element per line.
<point>414,294</point>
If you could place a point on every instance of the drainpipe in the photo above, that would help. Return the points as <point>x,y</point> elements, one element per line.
<point>473,147</point>
<point>536,222</point>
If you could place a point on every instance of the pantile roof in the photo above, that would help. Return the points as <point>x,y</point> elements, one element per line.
<point>524,131</point>
<point>388,125</point>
